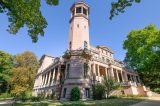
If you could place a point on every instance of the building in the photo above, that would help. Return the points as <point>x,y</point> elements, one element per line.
<point>83,65</point>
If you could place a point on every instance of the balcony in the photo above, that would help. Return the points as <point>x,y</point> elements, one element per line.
<point>82,52</point>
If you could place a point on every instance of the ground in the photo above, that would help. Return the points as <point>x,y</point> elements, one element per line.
<point>154,101</point>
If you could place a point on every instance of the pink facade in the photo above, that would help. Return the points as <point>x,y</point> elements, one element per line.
<point>83,65</point>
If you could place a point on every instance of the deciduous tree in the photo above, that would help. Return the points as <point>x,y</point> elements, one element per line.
<point>24,72</point>
<point>6,64</point>
<point>143,54</point>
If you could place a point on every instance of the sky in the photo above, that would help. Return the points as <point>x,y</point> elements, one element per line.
<point>103,31</point>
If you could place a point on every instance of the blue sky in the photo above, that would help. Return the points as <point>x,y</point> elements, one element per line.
<point>102,30</point>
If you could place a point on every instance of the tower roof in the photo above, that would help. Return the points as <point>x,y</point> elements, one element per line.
<point>79,2</point>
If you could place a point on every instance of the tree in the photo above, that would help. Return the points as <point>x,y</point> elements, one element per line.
<point>143,54</point>
<point>27,13</point>
<point>24,73</point>
<point>98,91</point>
<point>120,5</point>
<point>6,64</point>
<point>109,85</point>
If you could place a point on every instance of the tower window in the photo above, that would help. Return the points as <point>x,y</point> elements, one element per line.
<point>84,11</point>
<point>85,44</point>
<point>70,45</point>
<point>78,10</point>
<point>78,25</point>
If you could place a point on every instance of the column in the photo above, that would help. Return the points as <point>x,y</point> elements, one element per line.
<point>53,76</point>
<point>106,72</point>
<point>117,75</point>
<point>125,76</point>
<point>98,72</point>
<point>94,71</point>
<point>58,74</point>
<point>42,81</point>
<point>111,73</point>
<point>49,78</point>
<point>45,79</point>
<point>122,76</point>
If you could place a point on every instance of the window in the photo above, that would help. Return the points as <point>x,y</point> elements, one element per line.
<point>103,58</point>
<point>86,92</point>
<point>84,11</point>
<point>78,10</point>
<point>68,66</point>
<point>85,70</point>
<point>85,44</point>
<point>73,13</point>
<point>70,45</point>
<point>77,25</point>
<point>64,92</point>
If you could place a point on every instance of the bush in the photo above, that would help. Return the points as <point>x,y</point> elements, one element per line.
<point>157,90</point>
<point>35,99</point>
<point>5,95</point>
<point>98,91</point>
<point>75,94</point>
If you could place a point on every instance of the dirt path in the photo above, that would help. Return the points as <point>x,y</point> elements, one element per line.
<point>152,101</point>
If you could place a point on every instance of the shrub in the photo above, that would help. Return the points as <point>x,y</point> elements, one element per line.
<point>5,95</point>
<point>98,91</point>
<point>157,90</point>
<point>35,99</point>
<point>110,85</point>
<point>75,94</point>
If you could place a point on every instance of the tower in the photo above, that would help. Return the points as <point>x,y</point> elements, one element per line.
<point>78,53</point>
<point>79,26</point>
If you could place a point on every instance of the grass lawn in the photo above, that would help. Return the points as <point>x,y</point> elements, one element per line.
<point>104,102</point>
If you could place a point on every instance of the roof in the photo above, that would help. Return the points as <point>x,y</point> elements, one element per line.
<point>41,59</point>
<point>79,2</point>
<point>106,48</point>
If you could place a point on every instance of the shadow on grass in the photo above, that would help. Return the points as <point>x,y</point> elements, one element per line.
<point>104,102</point>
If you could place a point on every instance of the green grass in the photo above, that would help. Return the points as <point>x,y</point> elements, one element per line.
<point>104,102</point>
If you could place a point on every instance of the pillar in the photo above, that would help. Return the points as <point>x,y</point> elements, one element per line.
<point>122,76</point>
<point>111,72</point>
<point>52,83</point>
<point>58,73</point>
<point>117,75</point>
<point>98,72</point>
<point>106,72</point>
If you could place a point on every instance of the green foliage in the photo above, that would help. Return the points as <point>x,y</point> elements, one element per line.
<point>24,73</point>
<point>120,5</point>
<point>35,99</point>
<point>98,91</point>
<point>157,90</point>
<point>5,95</point>
<point>6,64</point>
<point>25,13</point>
<point>143,54</point>
<point>110,85</point>
<point>75,94</point>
